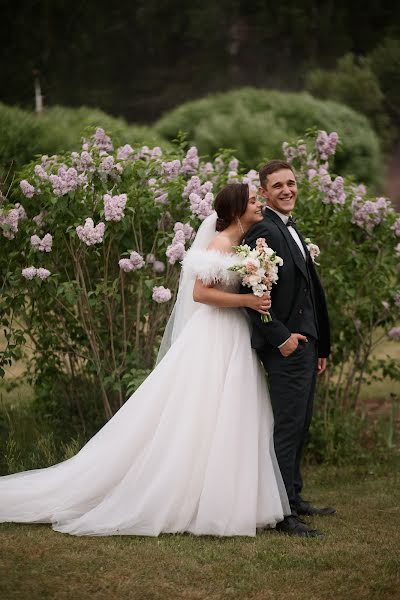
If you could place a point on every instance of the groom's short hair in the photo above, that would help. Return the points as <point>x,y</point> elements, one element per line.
<point>271,167</point>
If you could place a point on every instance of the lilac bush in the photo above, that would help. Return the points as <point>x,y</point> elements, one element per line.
<point>359,264</point>
<point>94,241</point>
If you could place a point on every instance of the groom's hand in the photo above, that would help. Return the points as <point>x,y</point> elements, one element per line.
<point>321,366</point>
<point>291,344</point>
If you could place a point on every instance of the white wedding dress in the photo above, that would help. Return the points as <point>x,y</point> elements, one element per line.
<point>190,451</point>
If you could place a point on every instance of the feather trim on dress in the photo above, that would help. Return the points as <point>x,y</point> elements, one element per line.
<point>211,266</point>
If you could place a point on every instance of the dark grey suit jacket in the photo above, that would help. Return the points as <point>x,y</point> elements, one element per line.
<point>297,283</point>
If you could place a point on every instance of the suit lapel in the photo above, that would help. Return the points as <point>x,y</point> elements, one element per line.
<point>308,255</point>
<point>293,247</point>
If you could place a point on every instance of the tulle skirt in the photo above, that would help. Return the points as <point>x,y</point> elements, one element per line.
<point>190,451</point>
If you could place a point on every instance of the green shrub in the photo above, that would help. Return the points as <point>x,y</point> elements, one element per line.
<point>354,84</point>
<point>385,63</point>
<point>256,122</point>
<point>62,128</point>
<point>20,135</point>
<point>25,134</point>
<point>27,442</point>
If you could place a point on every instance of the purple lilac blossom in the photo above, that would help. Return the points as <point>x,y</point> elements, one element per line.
<point>161,294</point>
<point>160,197</point>
<point>394,333</point>
<point>302,150</point>
<point>152,183</point>
<point>42,273</point>
<point>311,162</point>
<point>29,272</point>
<point>397,299</point>
<point>192,186</point>
<point>125,265</point>
<point>367,214</point>
<point>27,189</point>
<point>176,250</point>
<point>147,153</point>
<point>186,228</point>
<point>333,190</point>
<point>114,207</point>
<point>67,180</point>
<point>251,178</point>
<point>137,260</point>
<point>150,259</point>
<point>359,190</point>
<point>102,141</point>
<point>207,169</point>
<point>107,164</point>
<point>171,169</point>
<point>397,250</point>
<point>201,207</point>
<point>289,151</point>
<point>89,233</point>
<point>21,212</point>
<point>206,187</point>
<point>190,163</point>
<point>125,152</point>
<point>158,266</point>
<point>156,153</point>
<point>44,244</point>
<point>326,144</point>
<point>233,164</point>
<point>396,227</point>
<point>86,162</point>
<point>133,263</point>
<point>39,219</point>
<point>233,177</point>
<point>40,172</point>
<point>10,220</point>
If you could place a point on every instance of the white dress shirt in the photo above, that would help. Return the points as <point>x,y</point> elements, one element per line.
<point>291,230</point>
<point>296,238</point>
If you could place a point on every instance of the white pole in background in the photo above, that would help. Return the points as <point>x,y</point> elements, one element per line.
<point>38,93</point>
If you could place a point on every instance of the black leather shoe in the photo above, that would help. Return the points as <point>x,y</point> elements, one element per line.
<point>292,525</point>
<point>306,508</point>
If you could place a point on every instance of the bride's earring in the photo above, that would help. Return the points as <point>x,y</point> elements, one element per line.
<point>240,226</point>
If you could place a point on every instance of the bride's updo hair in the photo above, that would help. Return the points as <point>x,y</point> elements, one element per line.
<point>230,202</point>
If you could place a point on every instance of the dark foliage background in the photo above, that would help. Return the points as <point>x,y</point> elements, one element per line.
<point>140,58</point>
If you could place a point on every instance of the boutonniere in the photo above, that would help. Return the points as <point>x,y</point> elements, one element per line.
<point>313,250</point>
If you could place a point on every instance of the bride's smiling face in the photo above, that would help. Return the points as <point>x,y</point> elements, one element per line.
<point>253,213</point>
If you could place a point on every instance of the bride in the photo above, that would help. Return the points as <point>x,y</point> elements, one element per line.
<point>192,449</point>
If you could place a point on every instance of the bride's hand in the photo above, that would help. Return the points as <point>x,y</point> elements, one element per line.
<point>259,303</point>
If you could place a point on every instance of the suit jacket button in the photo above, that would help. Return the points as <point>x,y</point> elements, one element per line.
<point>300,311</point>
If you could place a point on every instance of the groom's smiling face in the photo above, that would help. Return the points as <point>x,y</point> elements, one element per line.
<point>280,191</point>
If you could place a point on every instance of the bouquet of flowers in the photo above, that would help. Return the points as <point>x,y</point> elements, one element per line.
<point>258,269</point>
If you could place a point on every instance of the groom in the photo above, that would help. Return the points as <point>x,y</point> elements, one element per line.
<point>294,346</point>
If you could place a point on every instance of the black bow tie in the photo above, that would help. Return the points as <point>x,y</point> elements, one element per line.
<point>291,222</point>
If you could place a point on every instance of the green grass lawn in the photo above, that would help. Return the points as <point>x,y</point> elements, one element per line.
<point>357,558</point>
